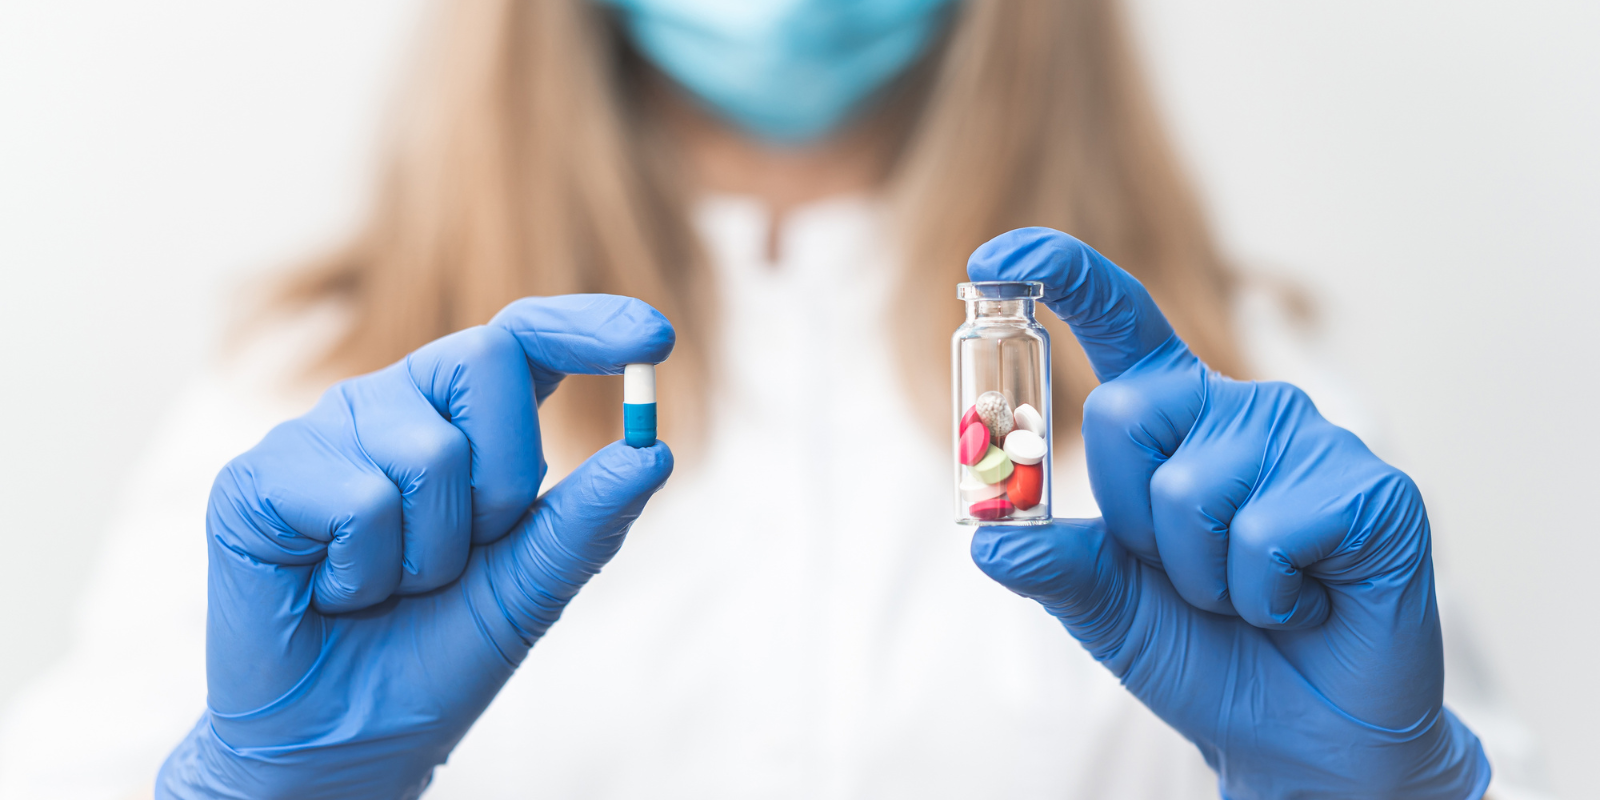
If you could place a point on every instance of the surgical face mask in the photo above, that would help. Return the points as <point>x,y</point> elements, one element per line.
<point>788,71</point>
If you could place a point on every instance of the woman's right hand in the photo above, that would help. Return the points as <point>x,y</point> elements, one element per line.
<point>380,566</point>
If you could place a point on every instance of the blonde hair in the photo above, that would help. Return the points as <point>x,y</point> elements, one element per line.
<point>524,163</point>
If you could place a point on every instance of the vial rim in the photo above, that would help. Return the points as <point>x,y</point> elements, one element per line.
<point>1000,290</point>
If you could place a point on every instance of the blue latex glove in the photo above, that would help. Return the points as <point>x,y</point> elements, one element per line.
<point>380,566</point>
<point>1259,579</point>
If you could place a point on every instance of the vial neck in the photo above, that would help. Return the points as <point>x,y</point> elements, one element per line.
<point>1000,310</point>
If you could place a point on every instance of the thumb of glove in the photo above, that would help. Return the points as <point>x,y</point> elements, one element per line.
<point>1075,570</point>
<point>570,533</point>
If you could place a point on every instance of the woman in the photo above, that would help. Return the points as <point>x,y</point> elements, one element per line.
<point>797,187</point>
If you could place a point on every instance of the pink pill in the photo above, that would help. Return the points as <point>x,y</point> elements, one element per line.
<point>974,443</point>
<point>998,508</point>
<point>968,418</point>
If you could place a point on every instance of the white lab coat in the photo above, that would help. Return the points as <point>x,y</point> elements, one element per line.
<point>794,616</point>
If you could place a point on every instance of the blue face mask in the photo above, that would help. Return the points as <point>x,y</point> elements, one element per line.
<point>788,71</point>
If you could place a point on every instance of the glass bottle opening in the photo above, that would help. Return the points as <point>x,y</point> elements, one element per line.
<point>1000,290</point>
<point>1000,300</point>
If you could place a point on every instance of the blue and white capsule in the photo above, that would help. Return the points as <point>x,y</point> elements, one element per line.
<point>639,404</point>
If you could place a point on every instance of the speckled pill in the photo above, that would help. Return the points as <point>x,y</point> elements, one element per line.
<point>995,411</point>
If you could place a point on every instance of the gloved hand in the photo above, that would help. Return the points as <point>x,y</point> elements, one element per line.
<point>1259,579</point>
<point>380,566</point>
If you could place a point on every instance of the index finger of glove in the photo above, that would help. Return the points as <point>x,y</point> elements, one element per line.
<point>489,380</point>
<point>585,334</point>
<point>1111,314</point>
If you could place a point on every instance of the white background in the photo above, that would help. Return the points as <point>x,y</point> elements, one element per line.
<point>1431,170</point>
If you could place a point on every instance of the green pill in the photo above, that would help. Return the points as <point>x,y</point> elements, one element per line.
<point>993,468</point>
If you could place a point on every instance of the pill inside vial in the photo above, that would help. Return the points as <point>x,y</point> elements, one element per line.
<point>1028,418</point>
<point>995,411</point>
<point>968,418</point>
<point>639,404</point>
<point>998,508</point>
<point>974,443</point>
<point>1025,487</point>
<point>1024,447</point>
<point>974,490</point>
<point>994,467</point>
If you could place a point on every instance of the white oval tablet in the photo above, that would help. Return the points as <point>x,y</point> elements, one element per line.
<point>1025,447</point>
<point>1029,419</point>
<point>974,490</point>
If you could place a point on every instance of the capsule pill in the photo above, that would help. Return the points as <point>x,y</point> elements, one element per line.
<point>639,404</point>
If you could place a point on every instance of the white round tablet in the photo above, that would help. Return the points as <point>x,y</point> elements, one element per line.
<point>1029,419</point>
<point>1025,447</point>
<point>975,491</point>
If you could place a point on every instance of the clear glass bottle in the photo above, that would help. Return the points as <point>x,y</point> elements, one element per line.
<point>1000,360</point>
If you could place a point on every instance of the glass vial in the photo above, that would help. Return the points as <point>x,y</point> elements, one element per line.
<point>1000,360</point>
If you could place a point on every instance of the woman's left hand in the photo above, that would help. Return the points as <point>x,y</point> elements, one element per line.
<point>1259,579</point>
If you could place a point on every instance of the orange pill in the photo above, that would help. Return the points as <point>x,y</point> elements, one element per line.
<point>1025,487</point>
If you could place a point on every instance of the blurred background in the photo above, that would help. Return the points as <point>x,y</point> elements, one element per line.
<point>1429,171</point>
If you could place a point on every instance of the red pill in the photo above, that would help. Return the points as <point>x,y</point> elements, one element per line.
<point>974,443</point>
<point>995,508</point>
<point>1026,485</point>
